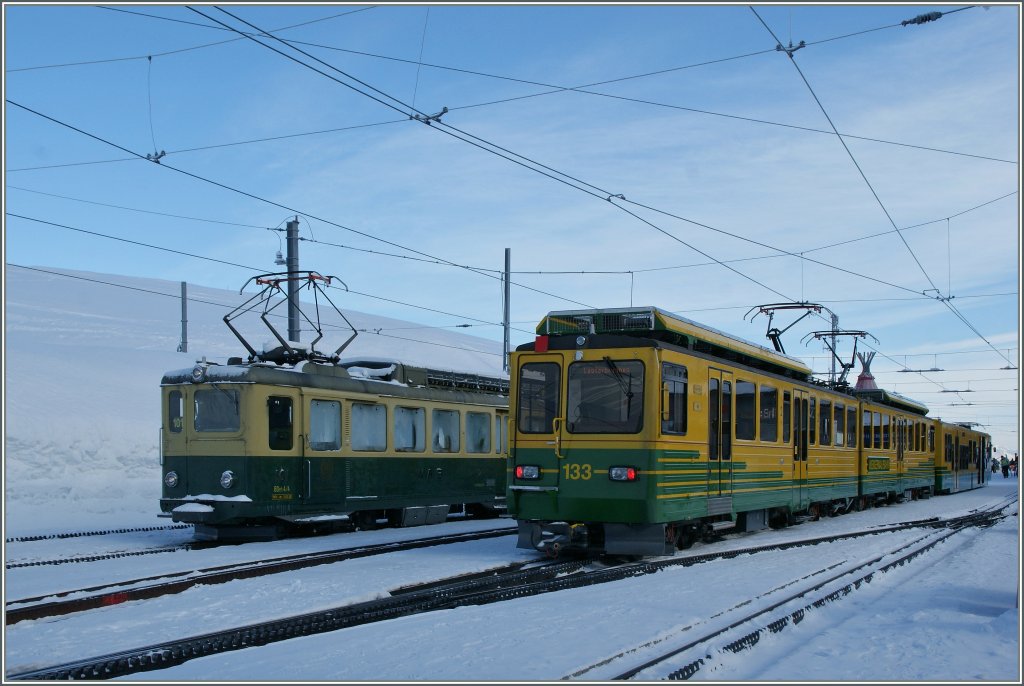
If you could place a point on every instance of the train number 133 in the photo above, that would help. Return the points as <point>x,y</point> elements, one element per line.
<point>575,472</point>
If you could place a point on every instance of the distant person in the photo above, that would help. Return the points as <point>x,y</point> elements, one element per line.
<point>1013,466</point>
<point>995,465</point>
<point>1005,464</point>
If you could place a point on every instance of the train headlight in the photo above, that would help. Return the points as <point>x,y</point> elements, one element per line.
<point>527,471</point>
<point>622,473</point>
<point>171,479</point>
<point>198,373</point>
<point>227,479</point>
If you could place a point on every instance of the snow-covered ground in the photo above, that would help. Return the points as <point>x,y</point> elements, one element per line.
<point>83,362</point>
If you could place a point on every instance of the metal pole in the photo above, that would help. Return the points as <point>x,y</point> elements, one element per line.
<point>183,346</point>
<point>835,327</point>
<point>293,283</point>
<point>505,317</point>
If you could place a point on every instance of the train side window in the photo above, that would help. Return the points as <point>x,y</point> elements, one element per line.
<point>175,411</point>
<point>840,417</point>
<point>539,386</point>
<point>501,434</point>
<point>826,422</point>
<point>369,427</point>
<point>812,421</point>
<point>445,431</point>
<point>885,431</point>
<point>478,432</point>
<point>746,410</point>
<point>931,439</point>
<point>851,427</point>
<point>674,377</point>
<point>217,410</point>
<point>876,425</point>
<point>279,422</point>
<point>324,425</point>
<point>769,414</point>
<point>410,429</point>
<point>787,423</point>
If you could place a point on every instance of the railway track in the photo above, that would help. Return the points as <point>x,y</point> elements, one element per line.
<point>170,583</point>
<point>514,581</point>
<point>80,534</point>
<point>737,629</point>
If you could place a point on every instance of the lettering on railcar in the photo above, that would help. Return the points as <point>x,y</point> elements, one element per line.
<point>878,464</point>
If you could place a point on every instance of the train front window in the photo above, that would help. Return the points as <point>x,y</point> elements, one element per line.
<point>605,397</point>
<point>539,385</point>
<point>279,422</point>
<point>217,410</point>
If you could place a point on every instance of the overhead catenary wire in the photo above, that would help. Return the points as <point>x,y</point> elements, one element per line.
<point>945,300</point>
<point>292,210</point>
<point>526,162</point>
<point>569,180</point>
<point>531,272</point>
<point>555,89</point>
<point>230,306</point>
<point>250,195</point>
<point>249,268</point>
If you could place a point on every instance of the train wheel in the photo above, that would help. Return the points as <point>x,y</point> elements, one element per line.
<point>366,520</point>
<point>779,518</point>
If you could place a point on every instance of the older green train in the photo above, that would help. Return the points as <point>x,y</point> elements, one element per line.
<point>296,439</point>
<point>249,450</point>
<point>639,432</point>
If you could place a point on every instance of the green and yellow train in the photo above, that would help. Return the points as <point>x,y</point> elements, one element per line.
<point>638,432</point>
<point>252,450</point>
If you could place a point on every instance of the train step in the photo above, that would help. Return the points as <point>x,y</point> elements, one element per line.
<point>719,526</point>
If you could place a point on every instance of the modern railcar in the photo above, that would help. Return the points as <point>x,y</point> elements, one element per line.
<point>635,431</point>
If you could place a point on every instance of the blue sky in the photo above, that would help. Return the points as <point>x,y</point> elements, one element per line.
<point>721,148</point>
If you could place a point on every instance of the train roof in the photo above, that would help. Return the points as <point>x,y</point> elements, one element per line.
<point>645,321</point>
<point>373,376</point>
<point>892,399</point>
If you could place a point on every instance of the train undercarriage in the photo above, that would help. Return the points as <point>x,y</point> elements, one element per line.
<point>657,539</point>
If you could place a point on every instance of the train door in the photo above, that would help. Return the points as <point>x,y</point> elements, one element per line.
<point>801,444</point>
<point>538,425</point>
<point>323,473</point>
<point>901,432</point>
<point>957,466</point>
<point>720,470</point>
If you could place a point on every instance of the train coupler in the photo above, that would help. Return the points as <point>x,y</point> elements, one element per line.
<point>552,538</point>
